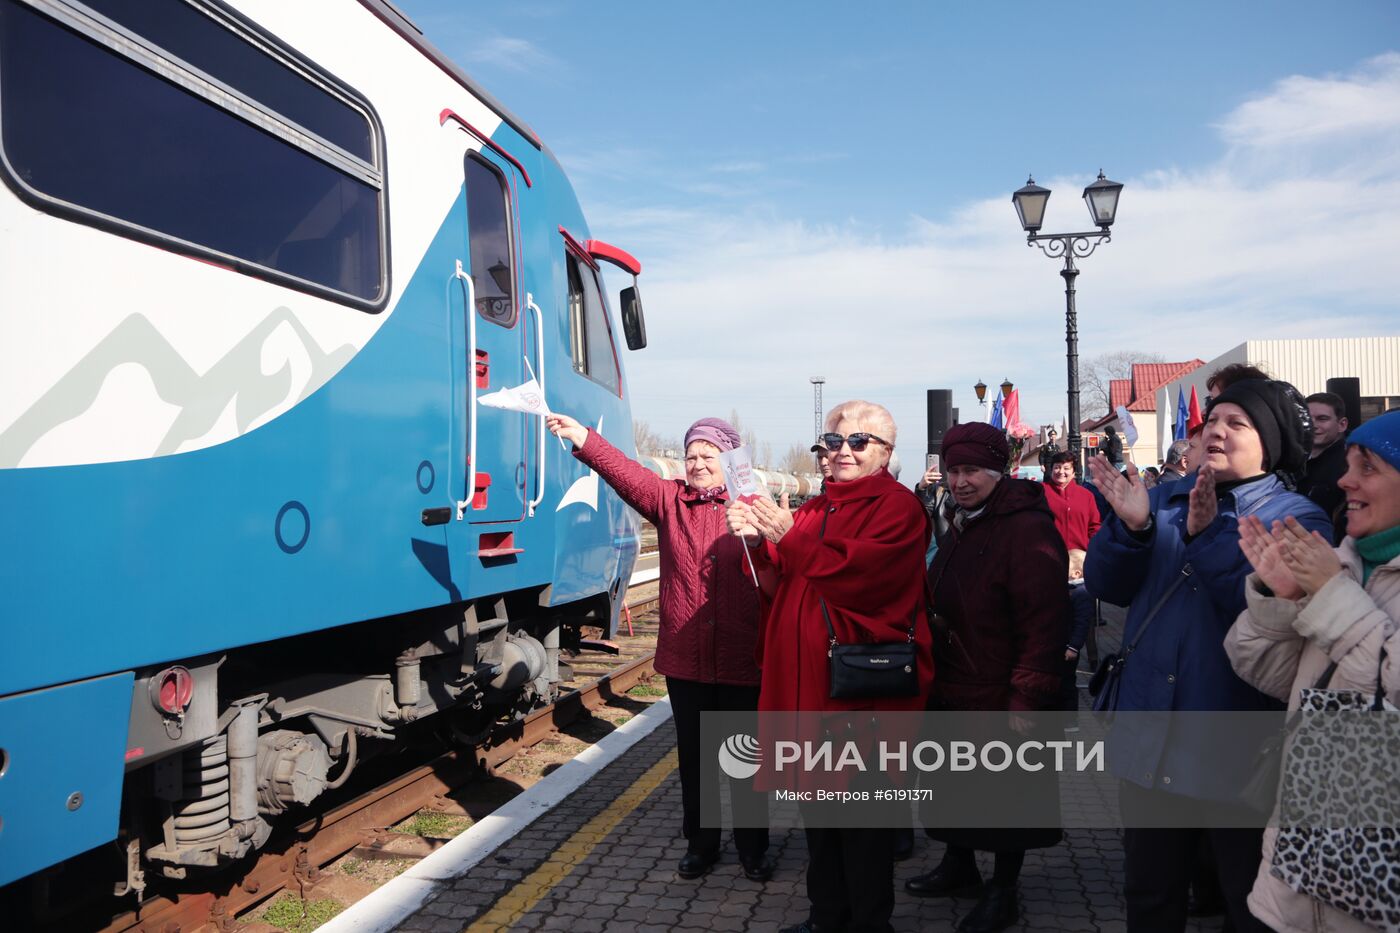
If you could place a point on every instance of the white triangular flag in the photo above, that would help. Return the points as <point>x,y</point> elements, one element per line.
<point>527,398</point>
<point>1130,431</point>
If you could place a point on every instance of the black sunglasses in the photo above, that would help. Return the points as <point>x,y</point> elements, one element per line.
<point>858,441</point>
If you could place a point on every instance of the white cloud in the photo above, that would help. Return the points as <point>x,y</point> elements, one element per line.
<point>511,54</point>
<point>1291,232</point>
<point>1302,109</point>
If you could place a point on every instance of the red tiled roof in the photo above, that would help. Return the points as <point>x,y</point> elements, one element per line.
<point>1094,424</point>
<point>1120,392</point>
<point>1149,377</point>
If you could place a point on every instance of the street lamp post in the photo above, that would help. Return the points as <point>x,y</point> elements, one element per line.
<point>1101,197</point>
<point>981,390</point>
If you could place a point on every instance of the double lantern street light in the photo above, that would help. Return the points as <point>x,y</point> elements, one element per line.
<point>981,390</point>
<point>1102,200</point>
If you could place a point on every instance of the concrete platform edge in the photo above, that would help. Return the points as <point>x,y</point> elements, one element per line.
<point>393,903</point>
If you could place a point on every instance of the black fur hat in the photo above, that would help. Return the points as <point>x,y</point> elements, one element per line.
<point>1282,419</point>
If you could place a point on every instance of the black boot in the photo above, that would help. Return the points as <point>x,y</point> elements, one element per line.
<point>997,910</point>
<point>695,864</point>
<point>756,867</point>
<point>949,879</point>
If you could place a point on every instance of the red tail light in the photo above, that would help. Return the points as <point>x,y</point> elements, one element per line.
<point>172,690</point>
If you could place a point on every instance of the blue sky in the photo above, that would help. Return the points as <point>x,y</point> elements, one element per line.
<point>824,188</point>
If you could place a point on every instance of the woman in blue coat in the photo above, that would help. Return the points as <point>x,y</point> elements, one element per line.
<point>1173,557</point>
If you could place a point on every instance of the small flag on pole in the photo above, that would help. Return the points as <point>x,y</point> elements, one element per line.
<point>1193,413</point>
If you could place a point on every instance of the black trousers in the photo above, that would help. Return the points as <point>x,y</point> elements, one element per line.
<point>690,698</point>
<point>1158,863</point>
<point>850,878</point>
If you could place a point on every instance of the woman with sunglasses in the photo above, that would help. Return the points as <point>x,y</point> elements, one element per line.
<point>857,551</point>
<point>706,644</point>
<point>1000,627</point>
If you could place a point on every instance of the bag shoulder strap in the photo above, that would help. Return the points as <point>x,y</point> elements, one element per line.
<point>830,629</point>
<point>1186,571</point>
<point>1323,680</point>
<point>1185,574</point>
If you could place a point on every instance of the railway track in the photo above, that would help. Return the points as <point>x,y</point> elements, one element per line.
<point>296,863</point>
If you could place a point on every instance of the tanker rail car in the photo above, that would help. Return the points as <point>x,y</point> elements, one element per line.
<point>798,487</point>
<point>260,261</point>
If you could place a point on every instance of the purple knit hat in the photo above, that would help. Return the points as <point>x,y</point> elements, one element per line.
<point>715,431</point>
<point>977,444</point>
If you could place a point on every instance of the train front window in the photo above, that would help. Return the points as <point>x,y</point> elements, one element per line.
<point>590,335</point>
<point>108,131</point>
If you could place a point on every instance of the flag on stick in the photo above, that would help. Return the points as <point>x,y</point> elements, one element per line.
<point>1193,413</point>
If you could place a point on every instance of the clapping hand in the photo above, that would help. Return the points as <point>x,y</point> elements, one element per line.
<point>771,519</point>
<point>741,522</point>
<point>1126,495</point>
<point>1202,506</point>
<point>567,428</point>
<point>1265,555</point>
<point>1307,554</point>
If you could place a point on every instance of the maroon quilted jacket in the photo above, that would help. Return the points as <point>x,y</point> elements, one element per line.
<point>709,605</point>
<point>999,584</point>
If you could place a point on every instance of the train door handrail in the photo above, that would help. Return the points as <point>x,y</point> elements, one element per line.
<point>470,288</point>
<point>539,375</point>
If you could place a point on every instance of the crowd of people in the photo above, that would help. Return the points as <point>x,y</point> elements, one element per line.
<point>1235,598</point>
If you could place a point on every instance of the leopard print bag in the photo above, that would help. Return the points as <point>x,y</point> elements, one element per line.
<point>1339,806</point>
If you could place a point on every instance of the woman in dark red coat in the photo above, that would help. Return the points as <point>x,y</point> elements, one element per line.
<point>860,548</point>
<point>1001,617</point>
<point>709,619</point>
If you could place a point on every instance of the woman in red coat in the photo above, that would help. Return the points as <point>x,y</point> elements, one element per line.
<point>709,619</point>
<point>1001,617</point>
<point>858,547</point>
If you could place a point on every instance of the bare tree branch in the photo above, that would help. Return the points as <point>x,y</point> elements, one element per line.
<point>649,442</point>
<point>797,459</point>
<point>1096,372</point>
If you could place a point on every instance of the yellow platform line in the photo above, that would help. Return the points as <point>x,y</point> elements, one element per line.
<point>521,899</point>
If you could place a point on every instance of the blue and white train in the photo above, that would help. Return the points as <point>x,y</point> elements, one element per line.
<point>258,260</point>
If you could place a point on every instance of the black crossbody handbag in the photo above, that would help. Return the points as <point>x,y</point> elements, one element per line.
<point>870,670</point>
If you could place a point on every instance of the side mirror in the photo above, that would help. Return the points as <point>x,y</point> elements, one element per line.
<point>634,325</point>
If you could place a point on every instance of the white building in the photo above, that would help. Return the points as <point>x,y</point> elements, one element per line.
<point>1308,364</point>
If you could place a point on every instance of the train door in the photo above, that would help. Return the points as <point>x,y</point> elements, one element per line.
<point>598,527</point>
<point>492,462</point>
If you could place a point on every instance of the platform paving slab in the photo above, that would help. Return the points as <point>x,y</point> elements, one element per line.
<point>580,867</point>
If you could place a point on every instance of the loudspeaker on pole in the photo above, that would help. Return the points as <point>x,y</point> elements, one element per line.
<point>1349,388</point>
<point>940,417</point>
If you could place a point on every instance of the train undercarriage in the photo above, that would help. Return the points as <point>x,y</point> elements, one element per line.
<point>223,748</point>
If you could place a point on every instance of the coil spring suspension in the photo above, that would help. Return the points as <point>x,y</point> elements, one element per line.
<point>203,814</point>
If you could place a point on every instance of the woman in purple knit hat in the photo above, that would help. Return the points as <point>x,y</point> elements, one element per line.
<point>709,620</point>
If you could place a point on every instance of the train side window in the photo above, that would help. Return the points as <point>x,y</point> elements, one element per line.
<point>488,228</point>
<point>173,123</point>
<point>590,334</point>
